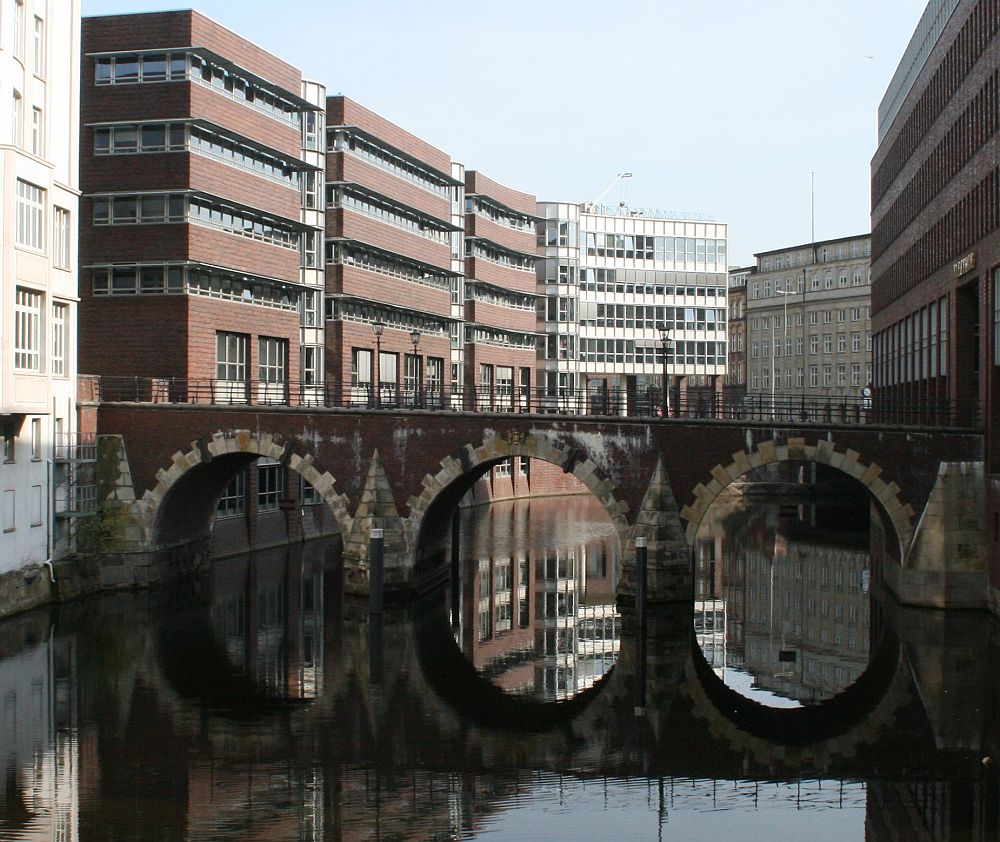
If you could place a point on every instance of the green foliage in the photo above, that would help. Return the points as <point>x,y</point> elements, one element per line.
<point>102,531</point>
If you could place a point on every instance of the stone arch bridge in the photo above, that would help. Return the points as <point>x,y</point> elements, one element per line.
<point>406,471</point>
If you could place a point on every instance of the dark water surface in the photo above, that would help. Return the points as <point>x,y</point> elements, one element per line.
<point>262,703</point>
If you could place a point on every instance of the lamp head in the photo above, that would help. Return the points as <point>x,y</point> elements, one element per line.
<point>378,327</point>
<point>415,338</point>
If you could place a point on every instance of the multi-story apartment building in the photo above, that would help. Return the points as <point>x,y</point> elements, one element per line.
<point>736,370</point>
<point>611,279</point>
<point>39,69</point>
<point>394,224</point>
<point>807,319</point>
<point>936,232</point>
<point>499,293</point>
<point>200,218</point>
<point>201,221</point>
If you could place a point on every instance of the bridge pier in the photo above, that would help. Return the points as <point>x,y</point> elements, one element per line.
<point>945,564</point>
<point>669,569</point>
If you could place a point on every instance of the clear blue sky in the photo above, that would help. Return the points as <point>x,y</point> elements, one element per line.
<point>723,108</point>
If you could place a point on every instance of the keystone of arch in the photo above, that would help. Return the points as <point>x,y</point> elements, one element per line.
<point>234,443</point>
<point>886,495</point>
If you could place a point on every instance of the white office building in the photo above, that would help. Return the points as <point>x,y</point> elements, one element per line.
<point>611,278</point>
<point>39,142</point>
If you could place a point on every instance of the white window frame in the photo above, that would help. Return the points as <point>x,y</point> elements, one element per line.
<point>61,238</point>
<point>28,305</point>
<point>60,339</point>
<point>30,216</point>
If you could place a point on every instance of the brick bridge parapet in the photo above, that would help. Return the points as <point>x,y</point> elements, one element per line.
<point>405,471</point>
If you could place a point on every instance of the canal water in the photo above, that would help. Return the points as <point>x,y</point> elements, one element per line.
<point>785,702</point>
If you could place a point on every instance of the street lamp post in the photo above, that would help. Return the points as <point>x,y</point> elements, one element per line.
<point>377,328</point>
<point>667,344</point>
<point>415,339</point>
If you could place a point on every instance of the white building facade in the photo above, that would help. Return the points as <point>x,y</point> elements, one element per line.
<point>611,277</point>
<point>39,143</point>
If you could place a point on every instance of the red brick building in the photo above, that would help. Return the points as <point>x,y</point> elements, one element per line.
<point>500,299</point>
<point>936,230</point>
<point>197,253</point>
<point>389,248</point>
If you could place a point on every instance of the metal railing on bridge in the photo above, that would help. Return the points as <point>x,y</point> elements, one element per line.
<point>794,409</point>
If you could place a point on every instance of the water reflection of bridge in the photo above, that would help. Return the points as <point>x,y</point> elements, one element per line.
<point>269,705</point>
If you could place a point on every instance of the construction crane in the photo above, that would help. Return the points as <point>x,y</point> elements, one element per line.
<point>618,179</point>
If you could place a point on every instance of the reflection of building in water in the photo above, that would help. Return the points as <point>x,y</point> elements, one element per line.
<point>268,615</point>
<point>39,742</point>
<point>538,606</point>
<point>710,602</point>
<point>792,611</point>
<point>806,629</point>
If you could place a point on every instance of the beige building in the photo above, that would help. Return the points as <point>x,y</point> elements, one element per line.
<point>39,131</point>
<point>808,324</point>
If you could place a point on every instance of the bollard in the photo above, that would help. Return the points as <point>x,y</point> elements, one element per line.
<point>375,572</point>
<point>640,621</point>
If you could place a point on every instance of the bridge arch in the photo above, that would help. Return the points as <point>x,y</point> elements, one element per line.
<point>896,516</point>
<point>183,490</point>
<point>443,490</point>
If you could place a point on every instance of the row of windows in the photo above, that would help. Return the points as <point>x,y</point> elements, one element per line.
<point>815,317</point>
<point>29,330</point>
<point>821,254</point>
<point>973,38</point>
<point>976,125</point>
<point>483,335</point>
<point>164,278</point>
<point>340,139</point>
<point>231,354</point>
<point>128,69</point>
<point>350,198</point>
<point>627,317</point>
<point>914,348</point>
<point>499,297</point>
<point>482,206</point>
<point>971,219</point>
<point>762,347</point>
<point>140,138</point>
<point>492,253</point>
<point>152,208</point>
<point>270,491</point>
<point>762,289</point>
<point>38,61</point>
<point>347,253</point>
<point>658,283</point>
<point>819,377</point>
<point>349,310</point>
<point>639,247</point>
<point>628,352</point>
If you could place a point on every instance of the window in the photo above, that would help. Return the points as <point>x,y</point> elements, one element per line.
<point>27,330</point>
<point>272,360</point>
<point>17,119</point>
<point>39,55</point>
<point>36,439</point>
<point>361,367</point>
<point>813,375</point>
<point>270,484</point>
<point>827,375</point>
<point>18,29</point>
<point>60,328</point>
<point>30,215</point>
<point>232,503</point>
<point>37,132</point>
<point>856,341</point>
<point>841,343</point>
<point>8,510</point>
<point>813,344</point>
<point>9,449</point>
<point>310,356</point>
<point>231,356</point>
<point>827,343</point>
<point>61,233</point>
<point>308,495</point>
